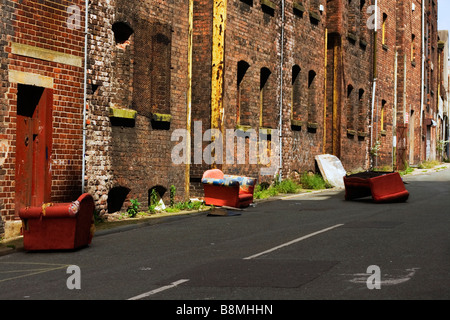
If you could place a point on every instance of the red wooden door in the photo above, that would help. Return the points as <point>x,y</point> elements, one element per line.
<point>33,146</point>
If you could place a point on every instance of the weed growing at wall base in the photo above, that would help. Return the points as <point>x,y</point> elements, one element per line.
<point>308,181</point>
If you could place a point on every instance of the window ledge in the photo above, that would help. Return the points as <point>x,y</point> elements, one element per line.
<point>312,125</point>
<point>243,128</point>
<point>351,36</point>
<point>269,4</point>
<point>299,6</point>
<point>123,113</point>
<point>362,134</point>
<point>314,16</point>
<point>266,131</point>
<point>161,117</point>
<point>296,123</point>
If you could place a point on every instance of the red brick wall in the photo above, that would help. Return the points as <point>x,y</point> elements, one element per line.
<point>201,84</point>
<point>385,84</point>
<point>137,154</point>
<point>43,25</point>
<point>349,78</point>
<point>252,35</point>
<point>409,79</point>
<point>304,47</point>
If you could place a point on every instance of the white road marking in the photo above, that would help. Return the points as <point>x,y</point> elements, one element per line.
<point>176,283</point>
<point>293,241</point>
<point>147,294</point>
<point>387,280</point>
<point>29,272</point>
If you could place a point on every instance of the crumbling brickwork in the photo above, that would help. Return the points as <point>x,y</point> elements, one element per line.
<point>138,63</point>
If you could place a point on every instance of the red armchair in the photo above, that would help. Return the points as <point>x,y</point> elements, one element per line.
<point>383,187</point>
<point>58,226</point>
<point>227,190</point>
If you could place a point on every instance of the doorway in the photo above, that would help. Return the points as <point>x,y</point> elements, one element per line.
<point>428,144</point>
<point>33,146</point>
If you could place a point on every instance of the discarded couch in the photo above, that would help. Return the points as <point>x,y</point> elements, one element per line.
<point>58,226</point>
<point>227,190</point>
<point>382,187</point>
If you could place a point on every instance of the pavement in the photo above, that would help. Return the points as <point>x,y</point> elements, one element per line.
<point>9,246</point>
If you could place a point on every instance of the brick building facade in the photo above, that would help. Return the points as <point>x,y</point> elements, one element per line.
<point>298,74</point>
<point>138,81</point>
<point>41,100</point>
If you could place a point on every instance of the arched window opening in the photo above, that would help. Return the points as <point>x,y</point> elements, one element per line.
<point>116,198</point>
<point>122,32</point>
<point>243,90</point>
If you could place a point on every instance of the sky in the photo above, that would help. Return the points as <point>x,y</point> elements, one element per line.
<point>444,15</point>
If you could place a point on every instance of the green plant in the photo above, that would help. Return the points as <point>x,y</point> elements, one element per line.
<point>97,218</point>
<point>288,186</point>
<point>440,146</point>
<point>263,190</point>
<point>153,201</point>
<point>173,190</point>
<point>133,208</point>
<point>428,164</point>
<point>187,205</point>
<point>407,170</point>
<point>153,197</point>
<point>314,181</point>
<point>375,148</point>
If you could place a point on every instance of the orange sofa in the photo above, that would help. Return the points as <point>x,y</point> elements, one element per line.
<point>227,190</point>
<point>58,226</point>
<point>383,187</point>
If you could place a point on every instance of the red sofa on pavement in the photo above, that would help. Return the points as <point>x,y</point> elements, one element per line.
<point>383,187</point>
<point>227,190</point>
<point>58,226</point>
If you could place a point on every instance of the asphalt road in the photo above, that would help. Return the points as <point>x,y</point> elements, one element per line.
<point>307,247</point>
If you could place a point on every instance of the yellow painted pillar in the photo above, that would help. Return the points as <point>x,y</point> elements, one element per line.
<point>218,61</point>
<point>335,98</point>
<point>189,102</point>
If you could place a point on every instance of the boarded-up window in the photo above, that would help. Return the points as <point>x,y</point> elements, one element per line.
<point>361,111</point>
<point>243,94</point>
<point>350,108</point>
<point>152,69</point>
<point>296,94</point>
<point>267,98</point>
<point>312,98</point>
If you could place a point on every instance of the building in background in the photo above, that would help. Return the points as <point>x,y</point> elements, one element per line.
<point>444,92</point>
